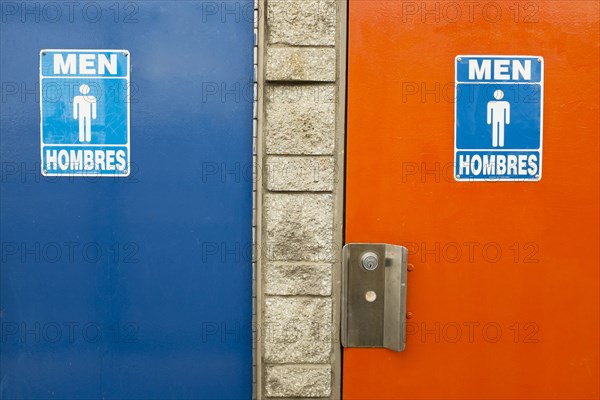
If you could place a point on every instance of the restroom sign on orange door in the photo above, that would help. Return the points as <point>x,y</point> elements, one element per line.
<point>499,112</point>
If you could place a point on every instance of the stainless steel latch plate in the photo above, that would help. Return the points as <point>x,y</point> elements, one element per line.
<point>374,296</point>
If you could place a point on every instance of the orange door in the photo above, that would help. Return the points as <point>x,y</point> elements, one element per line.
<point>504,294</point>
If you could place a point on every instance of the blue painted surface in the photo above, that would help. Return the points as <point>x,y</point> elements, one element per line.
<point>58,124</point>
<point>519,82</point>
<point>523,132</point>
<point>136,287</point>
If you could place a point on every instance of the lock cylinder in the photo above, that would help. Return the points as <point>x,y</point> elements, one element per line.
<point>369,261</point>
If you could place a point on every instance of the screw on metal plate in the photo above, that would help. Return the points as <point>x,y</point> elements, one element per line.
<point>125,53</point>
<point>459,58</point>
<point>43,53</point>
<point>410,267</point>
<point>369,261</point>
<point>540,59</point>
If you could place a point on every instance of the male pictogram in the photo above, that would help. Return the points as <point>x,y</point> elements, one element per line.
<point>498,115</point>
<point>84,109</point>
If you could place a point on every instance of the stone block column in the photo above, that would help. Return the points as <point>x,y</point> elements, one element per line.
<point>301,123</point>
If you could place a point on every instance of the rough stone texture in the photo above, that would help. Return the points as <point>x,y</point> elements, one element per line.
<point>297,329</point>
<point>299,227</point>
<point>300,64</point>
<point>302,22</point>
<point>300,119</point>
<point>309,174</point>
<point>297,252</point>
<point>298,380</point>
<point>298,279</point>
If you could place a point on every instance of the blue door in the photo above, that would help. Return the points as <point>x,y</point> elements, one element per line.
<point>136,286</point>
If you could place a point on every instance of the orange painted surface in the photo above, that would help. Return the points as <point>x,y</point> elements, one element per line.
<point>542,291</point>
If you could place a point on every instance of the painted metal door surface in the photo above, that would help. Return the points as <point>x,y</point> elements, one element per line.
<point>135,287</point>
<point>504,290</point>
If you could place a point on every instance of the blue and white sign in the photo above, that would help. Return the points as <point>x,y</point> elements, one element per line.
<point>84,105</point>
<point>499,118</point>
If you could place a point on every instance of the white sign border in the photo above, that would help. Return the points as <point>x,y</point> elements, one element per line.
<point>127,77</point>
<point>541,83</point>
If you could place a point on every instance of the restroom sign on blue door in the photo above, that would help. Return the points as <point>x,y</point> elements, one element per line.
<point>498,118</point>
<point>84,107</point>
